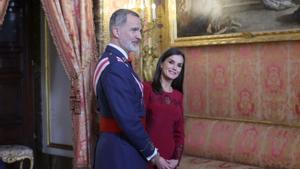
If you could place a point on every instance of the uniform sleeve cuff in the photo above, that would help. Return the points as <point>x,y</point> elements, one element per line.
<point>154,154</point>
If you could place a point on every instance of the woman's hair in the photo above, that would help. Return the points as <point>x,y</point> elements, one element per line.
<point>178,82</point>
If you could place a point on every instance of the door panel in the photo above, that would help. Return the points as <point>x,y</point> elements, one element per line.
<point>16,87</point>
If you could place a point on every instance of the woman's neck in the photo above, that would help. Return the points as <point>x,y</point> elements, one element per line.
<point>166,85</point>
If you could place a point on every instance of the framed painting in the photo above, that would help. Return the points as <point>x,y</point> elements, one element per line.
<point>209,22</point>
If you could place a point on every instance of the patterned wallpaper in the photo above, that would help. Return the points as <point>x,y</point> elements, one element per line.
<point>257,82</point>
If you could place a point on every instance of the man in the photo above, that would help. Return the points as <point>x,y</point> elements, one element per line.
<point>123,143</point>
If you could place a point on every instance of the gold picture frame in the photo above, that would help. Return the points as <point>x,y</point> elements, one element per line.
<point>172,28</point>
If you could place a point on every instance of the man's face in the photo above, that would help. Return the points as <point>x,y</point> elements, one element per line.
<point>130,34</point>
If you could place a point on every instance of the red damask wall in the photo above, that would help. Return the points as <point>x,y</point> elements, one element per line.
<point>259,81</point>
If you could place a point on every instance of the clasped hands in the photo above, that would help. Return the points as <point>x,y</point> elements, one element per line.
<point>162,163</point>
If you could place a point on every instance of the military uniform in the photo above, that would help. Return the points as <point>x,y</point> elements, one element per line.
<point>123,142</point>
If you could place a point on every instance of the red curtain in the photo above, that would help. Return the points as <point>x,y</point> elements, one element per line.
<point>72,28</point>
<point>3,7</point>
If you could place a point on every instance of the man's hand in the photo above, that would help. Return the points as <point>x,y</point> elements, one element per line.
<point>173,163</point>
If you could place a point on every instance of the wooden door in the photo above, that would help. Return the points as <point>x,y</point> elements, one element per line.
<point>16,86</point>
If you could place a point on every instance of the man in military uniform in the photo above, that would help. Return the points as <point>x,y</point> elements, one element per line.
<point>123,142</point>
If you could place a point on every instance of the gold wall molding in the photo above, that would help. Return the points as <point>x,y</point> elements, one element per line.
<point>242,120</point>
<point>176,9</point>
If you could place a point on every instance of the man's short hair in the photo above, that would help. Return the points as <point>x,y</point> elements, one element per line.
<point>119,17</point>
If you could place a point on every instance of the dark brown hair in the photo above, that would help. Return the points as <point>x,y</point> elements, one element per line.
<point>178,82</point>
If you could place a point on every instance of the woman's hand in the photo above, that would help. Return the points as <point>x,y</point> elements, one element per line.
<point>173,163</point>
<point>161,163</point>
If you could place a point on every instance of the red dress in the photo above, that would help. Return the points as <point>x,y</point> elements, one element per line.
<point>165,123</point>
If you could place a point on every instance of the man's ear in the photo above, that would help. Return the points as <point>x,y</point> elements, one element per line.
<point>115,32</point>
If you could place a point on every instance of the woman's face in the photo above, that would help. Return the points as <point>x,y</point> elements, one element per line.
<point>172,67</point>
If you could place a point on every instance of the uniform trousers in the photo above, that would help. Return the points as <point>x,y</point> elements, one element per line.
<point>113,151</point>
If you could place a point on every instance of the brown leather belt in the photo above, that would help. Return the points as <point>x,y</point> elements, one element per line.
<point>109,124</point>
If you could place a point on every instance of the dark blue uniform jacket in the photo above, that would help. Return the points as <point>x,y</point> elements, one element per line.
<point>120,95</point>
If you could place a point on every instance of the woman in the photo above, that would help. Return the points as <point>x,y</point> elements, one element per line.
<point>163,103</point>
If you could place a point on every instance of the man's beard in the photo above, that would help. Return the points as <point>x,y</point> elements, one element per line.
<point>133,48</point>
<point>137,51</point>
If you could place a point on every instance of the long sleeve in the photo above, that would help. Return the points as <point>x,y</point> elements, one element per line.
<point>147,97</point>
<point>179,135</point>
<point>121,96</point>
<point>165,121</point>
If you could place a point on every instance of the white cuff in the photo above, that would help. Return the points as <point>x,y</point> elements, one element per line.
<point>154,154</point>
